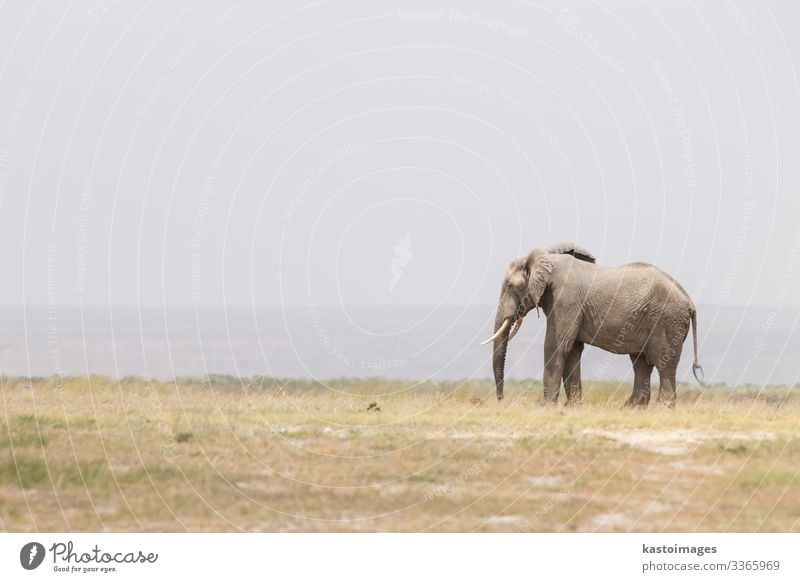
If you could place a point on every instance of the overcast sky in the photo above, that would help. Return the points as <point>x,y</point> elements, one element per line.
<point>362,152</point>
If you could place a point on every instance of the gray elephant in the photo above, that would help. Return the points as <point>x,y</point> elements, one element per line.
<point>635,309</point>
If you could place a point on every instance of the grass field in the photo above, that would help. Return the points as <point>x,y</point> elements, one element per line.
<point>264,455</point>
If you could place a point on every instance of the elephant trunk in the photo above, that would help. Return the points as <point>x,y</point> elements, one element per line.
<point>499,356</point>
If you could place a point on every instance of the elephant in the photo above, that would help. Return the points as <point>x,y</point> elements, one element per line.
<point>636,309</point>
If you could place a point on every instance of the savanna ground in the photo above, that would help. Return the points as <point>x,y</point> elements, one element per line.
<point>373,455</point>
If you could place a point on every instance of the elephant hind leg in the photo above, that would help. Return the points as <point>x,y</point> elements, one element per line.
<point>572,375</point>
<point>642,371</point>
<point>667,394</point>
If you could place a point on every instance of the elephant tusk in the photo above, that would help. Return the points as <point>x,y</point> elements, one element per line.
<point>498,333</point>
<point>515,329</point>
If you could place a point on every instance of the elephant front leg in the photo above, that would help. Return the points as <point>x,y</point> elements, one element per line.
<point>572,375</point>
<point>554,360</point>
<point>640,396</point>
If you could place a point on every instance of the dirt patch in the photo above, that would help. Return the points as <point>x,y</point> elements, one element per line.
<point>674,442</point>
<point>612,522</point>
<point>551,481</point>
<point>340,433</point>
<point>487,434</point>
<point>505,520</point>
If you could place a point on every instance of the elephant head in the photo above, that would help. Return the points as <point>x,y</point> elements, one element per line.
<point>524,284</point>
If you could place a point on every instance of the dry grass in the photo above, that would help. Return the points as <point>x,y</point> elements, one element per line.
<point>265,455</point>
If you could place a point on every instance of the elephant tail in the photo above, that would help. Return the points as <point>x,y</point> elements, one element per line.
<point>696,367</point>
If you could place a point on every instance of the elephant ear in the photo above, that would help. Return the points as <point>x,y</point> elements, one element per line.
<point>576,251</point>
<point>539,268</point>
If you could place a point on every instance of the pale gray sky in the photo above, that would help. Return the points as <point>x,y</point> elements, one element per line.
<point>361,152</point>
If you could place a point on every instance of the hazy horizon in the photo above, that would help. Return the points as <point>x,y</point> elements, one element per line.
<point>736,346</point>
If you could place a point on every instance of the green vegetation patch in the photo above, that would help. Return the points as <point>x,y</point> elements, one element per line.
<point>184,437</point>
<point>755,478</point>
<point>24,432</point>
<point>156,473</point>
<point>25,472</point>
